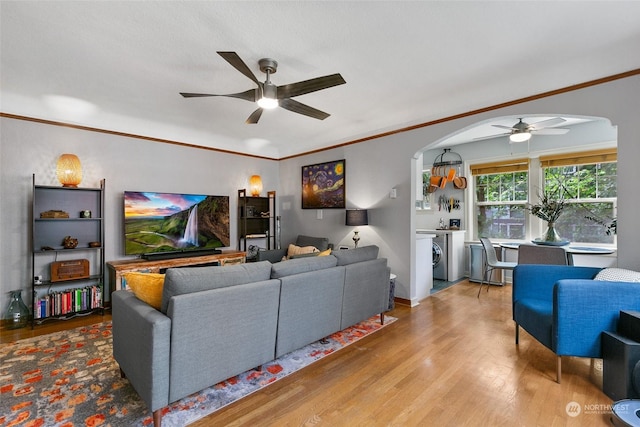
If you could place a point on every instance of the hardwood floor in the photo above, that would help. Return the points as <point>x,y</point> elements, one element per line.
<point>451,361</point>
<point>49,326</point>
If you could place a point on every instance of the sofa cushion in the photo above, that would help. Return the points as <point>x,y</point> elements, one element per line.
<point>295,250</point>
<point>322,243</point>
<point>146,287</point>
<point>194,279</point>
<point>365,253</point>
<point>618,275</point>
<point>301,265</point>
<point>311,254</point>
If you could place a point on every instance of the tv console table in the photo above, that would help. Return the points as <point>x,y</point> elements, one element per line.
<point>118,268</point>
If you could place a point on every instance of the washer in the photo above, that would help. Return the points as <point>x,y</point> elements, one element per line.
<point>440,264</point>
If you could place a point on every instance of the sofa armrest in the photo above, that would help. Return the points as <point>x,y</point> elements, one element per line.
<point>366,291</point>
<point>141,346</point>
<point>583,309</point>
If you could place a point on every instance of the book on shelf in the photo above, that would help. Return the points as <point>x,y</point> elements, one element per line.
<point>68,301</point>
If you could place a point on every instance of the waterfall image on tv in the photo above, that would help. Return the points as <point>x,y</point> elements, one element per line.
<point>170,222</point>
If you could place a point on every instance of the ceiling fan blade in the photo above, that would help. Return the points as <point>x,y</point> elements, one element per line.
<point>550,131</point>
<point>307,86</point>
<point>300,108</point>
<point>503,127</point>
<point>237,63</point>
<point>548,123</point>
<point>196,95</point>
<point>249,95</point>
<point>254,117</point>
<point>482,138</point>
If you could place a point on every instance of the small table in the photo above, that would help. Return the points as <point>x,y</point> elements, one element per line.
<point>571,250</point>
<point>392,291</point>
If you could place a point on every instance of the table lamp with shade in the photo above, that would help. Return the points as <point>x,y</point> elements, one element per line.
<point>355,218</point>
<point>69,170</point>
<point>255,185</point>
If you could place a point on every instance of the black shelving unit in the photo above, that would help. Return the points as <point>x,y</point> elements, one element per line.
<point>71,292</point>
<point>256,220</point>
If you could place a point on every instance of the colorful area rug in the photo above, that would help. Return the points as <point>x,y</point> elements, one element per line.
<point>70,378</point>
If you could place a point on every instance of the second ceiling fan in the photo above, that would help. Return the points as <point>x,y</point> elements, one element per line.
<point>267,95</point>
<point>522,131</point>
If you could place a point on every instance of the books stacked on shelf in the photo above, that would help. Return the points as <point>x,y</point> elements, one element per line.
<point>69,301</point>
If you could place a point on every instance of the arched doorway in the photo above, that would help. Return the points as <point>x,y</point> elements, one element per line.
<point>487,141</point>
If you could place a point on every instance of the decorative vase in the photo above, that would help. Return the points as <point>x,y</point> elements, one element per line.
<point>17,313</point>
<point>551,235</point>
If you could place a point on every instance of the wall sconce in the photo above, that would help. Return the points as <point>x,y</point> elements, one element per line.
<point>69,170</point>
<point>355,218</point>
<point>255,185</point>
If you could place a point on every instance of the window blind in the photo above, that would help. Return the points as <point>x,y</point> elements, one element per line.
<point>506,166</point>
<point>608,155</point>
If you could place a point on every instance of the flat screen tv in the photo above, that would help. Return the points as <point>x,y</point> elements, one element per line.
<point>165,223</point>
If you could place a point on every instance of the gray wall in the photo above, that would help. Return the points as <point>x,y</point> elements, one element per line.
<point>373,168</point>
<point>125,163</point>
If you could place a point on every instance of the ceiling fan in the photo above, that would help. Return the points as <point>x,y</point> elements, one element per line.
<point>522,131</point>
<point>268,96</point>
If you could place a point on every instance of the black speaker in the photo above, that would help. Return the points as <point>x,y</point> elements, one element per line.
<point>635,378</point>
<point>629,324</point>
<point>621,373</point>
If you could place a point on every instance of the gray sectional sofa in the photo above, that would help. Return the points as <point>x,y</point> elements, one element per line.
<point>217,322</point>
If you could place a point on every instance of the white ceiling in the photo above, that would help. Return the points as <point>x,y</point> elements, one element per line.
<point>405,62</point>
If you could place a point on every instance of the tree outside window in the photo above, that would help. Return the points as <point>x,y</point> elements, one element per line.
<point>590,191</point>
<point>500,205</point>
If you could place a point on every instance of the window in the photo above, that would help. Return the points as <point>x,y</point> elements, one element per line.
<point>589,184</point>
<point>587,180</point>
<point>501,195</point>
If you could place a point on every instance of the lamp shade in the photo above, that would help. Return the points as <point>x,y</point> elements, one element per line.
<point>357,217</point>
<point>69,170</point>
<point>255,185</point>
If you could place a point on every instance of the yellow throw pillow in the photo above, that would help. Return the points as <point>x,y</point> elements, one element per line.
<point>300,250</point>
<point>325,253</point>
<point>146,287</point>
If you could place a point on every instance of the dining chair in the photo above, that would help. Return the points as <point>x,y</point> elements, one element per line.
<point>536,254</point>
<point>492,263</point>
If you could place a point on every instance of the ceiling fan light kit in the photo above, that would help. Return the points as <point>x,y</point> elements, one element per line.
<point>519,136</point>
<point>269,96</point>
<point>267,103</point>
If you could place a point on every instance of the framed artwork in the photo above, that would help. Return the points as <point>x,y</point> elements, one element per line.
<point>323,185</point>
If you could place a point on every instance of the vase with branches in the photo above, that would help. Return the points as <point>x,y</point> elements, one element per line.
<point>548,209</point>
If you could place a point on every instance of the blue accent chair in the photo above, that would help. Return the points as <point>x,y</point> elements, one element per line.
<point>565,310</point>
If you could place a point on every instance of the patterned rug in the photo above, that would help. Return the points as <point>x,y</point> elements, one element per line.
<point>70,378</point>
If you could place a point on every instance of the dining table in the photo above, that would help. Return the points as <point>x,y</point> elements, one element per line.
<point>570,249</point>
